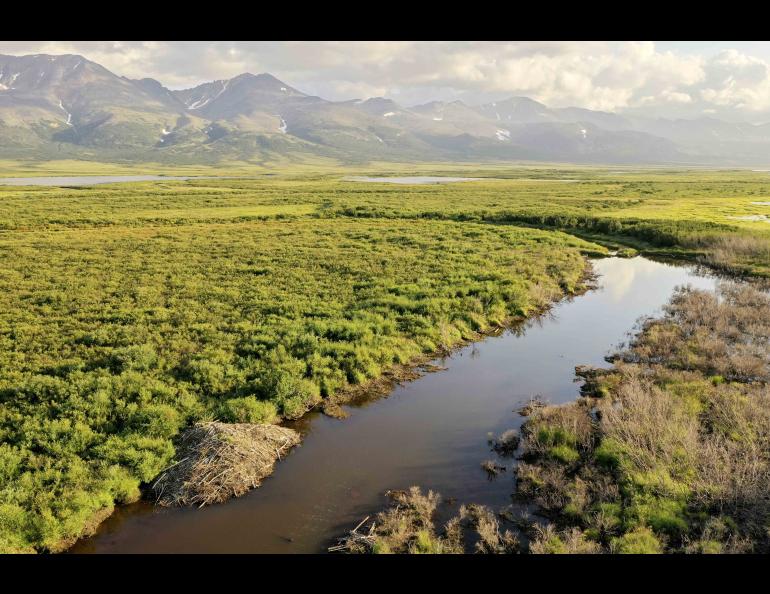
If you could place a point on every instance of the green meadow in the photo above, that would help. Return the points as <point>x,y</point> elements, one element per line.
<point>130,311</point>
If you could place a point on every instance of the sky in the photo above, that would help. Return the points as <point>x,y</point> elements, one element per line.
<point>725,79</point>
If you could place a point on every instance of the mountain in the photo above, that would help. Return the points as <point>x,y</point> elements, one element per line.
<point>712,138</point>
<point>68,106</point>
<point>518,110</point>
<point>68,99</point>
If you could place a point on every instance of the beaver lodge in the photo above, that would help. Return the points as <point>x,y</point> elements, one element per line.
<point>222,460</point>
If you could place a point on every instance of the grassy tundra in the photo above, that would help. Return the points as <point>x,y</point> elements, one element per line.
<point>719,217</point>
<point>129,311</point>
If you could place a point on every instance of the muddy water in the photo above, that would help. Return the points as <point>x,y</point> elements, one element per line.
<point>431,432</point>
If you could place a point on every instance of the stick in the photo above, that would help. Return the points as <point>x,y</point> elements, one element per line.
<point>360,524</point>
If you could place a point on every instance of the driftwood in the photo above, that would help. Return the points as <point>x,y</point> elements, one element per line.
<point>355,540</point>
<point>222,460</point>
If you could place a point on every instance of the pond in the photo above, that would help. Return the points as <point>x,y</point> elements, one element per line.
<point>89,180</point>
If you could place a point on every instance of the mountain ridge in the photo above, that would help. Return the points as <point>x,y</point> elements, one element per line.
<point>68,105</point>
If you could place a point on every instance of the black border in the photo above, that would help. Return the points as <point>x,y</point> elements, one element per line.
<point>528,21</point>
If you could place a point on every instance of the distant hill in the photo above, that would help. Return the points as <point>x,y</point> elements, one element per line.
<point>67,106</point>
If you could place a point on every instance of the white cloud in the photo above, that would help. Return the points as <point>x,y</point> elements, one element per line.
<point>612,76</point>
<point>738,81</point>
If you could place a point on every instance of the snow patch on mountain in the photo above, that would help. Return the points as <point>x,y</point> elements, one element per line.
<point>69,115</point>
<point>202,102</point>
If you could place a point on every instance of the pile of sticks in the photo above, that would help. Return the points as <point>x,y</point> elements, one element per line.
<point>355,541</point>
<point>222,460</point>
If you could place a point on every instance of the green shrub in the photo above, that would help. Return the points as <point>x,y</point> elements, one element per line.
<point>248,410</point>
<point>564,454</point>
<point>556,436</point>
<point>641,541</point>
<point>608,454</point>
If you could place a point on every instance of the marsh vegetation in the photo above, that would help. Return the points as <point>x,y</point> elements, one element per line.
<point>114,339</point>
<point>131,312</point>
<point>665,452</point>
<point>669,451</point>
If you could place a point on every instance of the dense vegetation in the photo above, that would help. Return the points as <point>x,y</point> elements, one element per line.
<point>719,217</point>
<point>129,311</point>
<point>670,450</point>
<point>666,452</point>
<point>114,338</point>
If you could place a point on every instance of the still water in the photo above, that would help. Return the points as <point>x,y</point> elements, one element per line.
<point>416,180</point>
<point>430,432</point>
<point>87,180</point>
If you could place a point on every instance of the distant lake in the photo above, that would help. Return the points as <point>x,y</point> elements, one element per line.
<point>426,179</point>
<point>419,179</point>
<point>88,180</point>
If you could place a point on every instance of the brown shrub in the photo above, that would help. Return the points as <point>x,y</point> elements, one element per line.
<point>490,539</point>
<point>653,428</point>
<point>734,461</point>
<point>572,420</point>
<point>735,254</point>
<point>727,334</point>
<point>545,484</point>
<point>549,541</point>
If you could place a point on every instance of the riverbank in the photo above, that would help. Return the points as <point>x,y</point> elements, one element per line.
<point>424,363</point>
<point>430,431</point>
<point>390,378</point>
<point>668,451</point>
<point>146,330</point>
<point>665,452</point>
<point>374,388</point>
